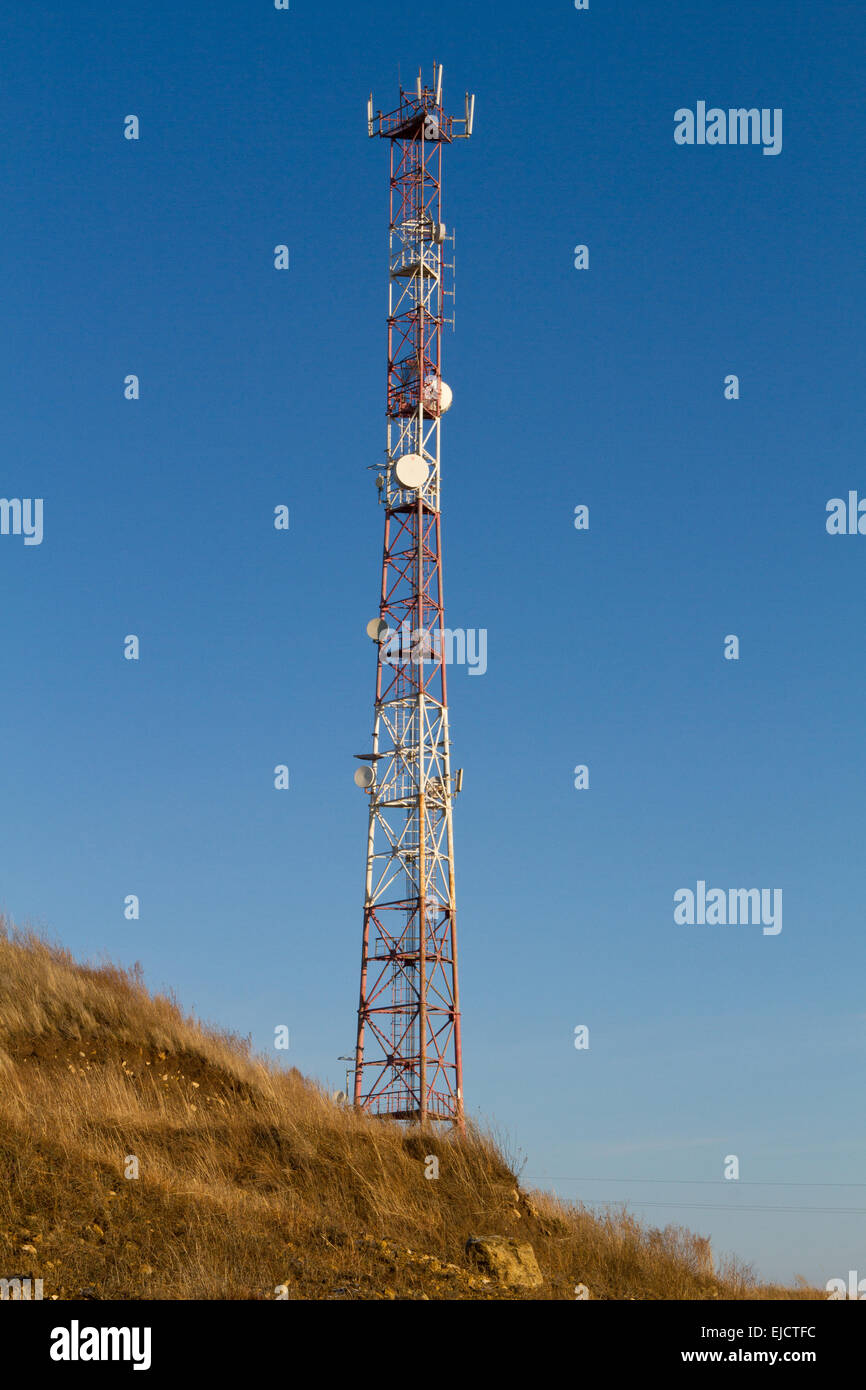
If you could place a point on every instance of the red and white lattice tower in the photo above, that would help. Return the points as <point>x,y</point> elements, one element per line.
<point>408,1060</point>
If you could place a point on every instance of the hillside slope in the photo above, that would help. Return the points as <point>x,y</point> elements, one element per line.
<point>250,1180</point>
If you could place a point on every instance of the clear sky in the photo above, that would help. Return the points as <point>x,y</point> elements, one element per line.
<point>602,387</point>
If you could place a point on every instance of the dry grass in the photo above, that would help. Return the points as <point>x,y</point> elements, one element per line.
<point>250,1179</point>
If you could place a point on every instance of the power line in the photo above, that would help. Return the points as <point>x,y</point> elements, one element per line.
<point>735,1207</point>
<point>695,1182</point>
<point>714,1206</point>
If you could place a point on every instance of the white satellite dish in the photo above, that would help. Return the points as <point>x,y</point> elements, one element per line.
<point>411,472</point>
<point>376,629</point>
<point>437,396</point>
<point>364,777</point>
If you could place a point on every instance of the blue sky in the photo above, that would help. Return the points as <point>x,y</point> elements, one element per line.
<point>602,387</point>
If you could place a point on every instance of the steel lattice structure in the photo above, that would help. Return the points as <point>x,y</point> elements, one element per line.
<point>408,1058</point>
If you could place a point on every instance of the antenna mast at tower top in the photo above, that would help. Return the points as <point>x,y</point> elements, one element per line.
<point>408,1062</point>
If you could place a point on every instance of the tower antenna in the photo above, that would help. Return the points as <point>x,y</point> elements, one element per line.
<point>408,1060</point>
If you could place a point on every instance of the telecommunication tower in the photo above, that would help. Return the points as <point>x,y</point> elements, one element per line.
<point>408,1063</point>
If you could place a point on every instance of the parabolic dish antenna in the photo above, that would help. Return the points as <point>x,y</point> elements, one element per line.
<point>437,396</point>
<point>364,777</point>
<point>411,472</point>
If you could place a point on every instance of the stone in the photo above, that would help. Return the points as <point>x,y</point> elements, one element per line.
<point>511,1262</point>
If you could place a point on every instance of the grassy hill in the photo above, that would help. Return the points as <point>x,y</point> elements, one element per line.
<point>251,1180</point>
